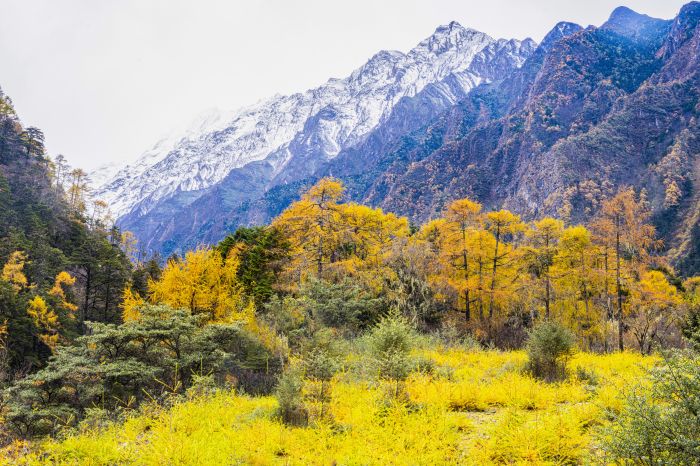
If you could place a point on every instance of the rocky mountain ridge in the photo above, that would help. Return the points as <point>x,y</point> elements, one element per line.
<point>314,124</point>
<point>541,130</point>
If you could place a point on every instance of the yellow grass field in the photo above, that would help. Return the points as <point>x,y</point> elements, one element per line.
<point>475,408</point>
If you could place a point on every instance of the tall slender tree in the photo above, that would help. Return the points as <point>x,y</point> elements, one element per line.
<point>623,227</point>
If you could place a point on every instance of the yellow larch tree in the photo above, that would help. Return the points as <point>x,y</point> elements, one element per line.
<point>543,239</point>
<point>62,282</point>
<point>13,271</point>
<point>365,242</point>
<point>131,304</point>
<point>462,219</point>
<point>655,307</point>
<point>622,228</point>
<point>503,225</point>
<point>205,283</point>
<point>576,283</point>
<point>45,320</point>
<point>129,244</point>
<point>312,227</point>
<point>202,282</point>
<point>330,239</point>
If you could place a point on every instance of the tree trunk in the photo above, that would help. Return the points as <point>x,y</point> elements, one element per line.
<point>319,259</point>
<point>546,298</point>
<point>548,284</point>
<point>493,272</point>
<point>584,288</point>
<point>620,325</point>
<point>86,301</point>
<point>467,310</point>
<point>481,289</point>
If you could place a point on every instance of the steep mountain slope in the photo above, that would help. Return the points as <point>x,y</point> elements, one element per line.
<point>546,130</point>
<point>300,130</point>
<point>33,215</point>
<point>288,138</point>
<point>609,106</point>
<point>42,235</point>
<point>589,111</point>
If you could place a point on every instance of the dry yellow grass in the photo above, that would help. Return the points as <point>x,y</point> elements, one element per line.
<point>476,408</point>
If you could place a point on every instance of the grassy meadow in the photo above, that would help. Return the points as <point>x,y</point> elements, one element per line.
<point>467,407</point>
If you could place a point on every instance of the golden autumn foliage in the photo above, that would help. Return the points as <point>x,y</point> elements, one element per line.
<point>45,320</point>
<point>203,282</point>
<point>692,290</point>
<point>129,244</point>
<point>63,281</point>
<point>329,238</point>
<point>458,245</point>
<point>543,239</point>
<point>622,227</point>
<point>131,302</point>
<point>12,271</point>
<point>654,307</point>
<point>479,408</point>
<point>3,334</point>
<point>491,266</point>
<point>576,283</point>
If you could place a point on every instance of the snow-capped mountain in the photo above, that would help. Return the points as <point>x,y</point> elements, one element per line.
<point>549,129</point>
<point>296,132</point>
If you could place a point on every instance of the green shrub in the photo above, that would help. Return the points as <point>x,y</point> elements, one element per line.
<point>390,344</point>
<point>548,346</point>
<point>344,305</point>
<point>660,424</point>
<point>393,333</point>
<point>319,368</point>
<point>117,367</point>
<point>289,395</point>
<point>424,365</point>
<point>320,365</point>
<point>589,377</point>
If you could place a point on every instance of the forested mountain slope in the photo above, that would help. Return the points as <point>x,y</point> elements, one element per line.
<point>590,111</point>
<point>53,251</point>
<point>551,130</point>
<point>186,189</point>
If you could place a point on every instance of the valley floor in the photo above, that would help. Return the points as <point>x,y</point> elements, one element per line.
<point>472,407</point>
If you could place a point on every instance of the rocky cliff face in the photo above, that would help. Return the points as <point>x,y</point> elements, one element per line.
<point>549,129</point>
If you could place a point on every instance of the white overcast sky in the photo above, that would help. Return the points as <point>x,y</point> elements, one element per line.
<point>105,79</point>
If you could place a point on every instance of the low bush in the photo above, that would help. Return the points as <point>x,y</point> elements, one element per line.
<point>290,397</point>
<point>548,346</point>
<point>660,424</point>
<point>117,367</point>
<point>390,344</point>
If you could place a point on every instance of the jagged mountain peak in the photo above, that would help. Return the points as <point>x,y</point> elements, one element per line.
<point>686,22</point>
<point>636,26</point>
<point>450,37</point>
<point>451,29</point>
<point>282,129</point>
<point>623,13</point>
<point>451,26</point>
<point>559,31</point>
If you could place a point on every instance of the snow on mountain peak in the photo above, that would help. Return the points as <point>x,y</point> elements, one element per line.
<point>451,36</point>
<point>217,142</point>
